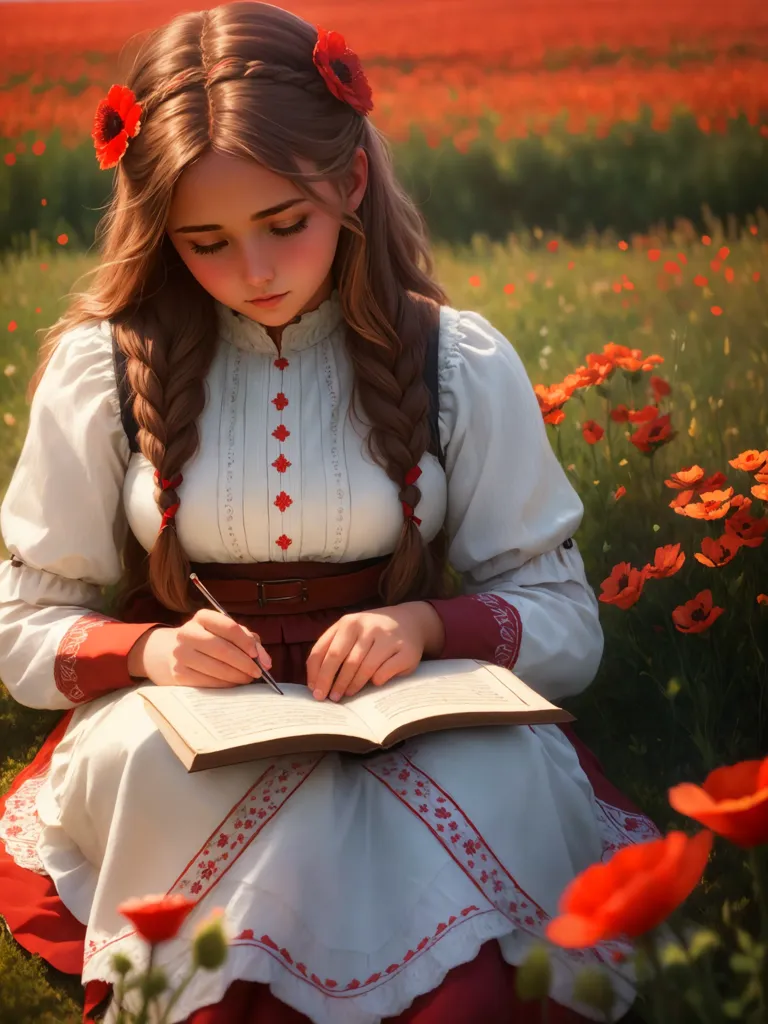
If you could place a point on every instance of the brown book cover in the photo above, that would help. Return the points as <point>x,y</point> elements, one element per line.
<point>208,728</point>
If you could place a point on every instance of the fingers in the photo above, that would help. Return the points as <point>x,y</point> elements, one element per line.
<point>360,664</point>
<point>222,626</point>
<point>340,645</point>
<point>317,655</point>
<point>223,671</point>
<point>400,664</point>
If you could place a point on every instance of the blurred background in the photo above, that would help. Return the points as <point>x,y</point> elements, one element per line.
<point>594,174</point>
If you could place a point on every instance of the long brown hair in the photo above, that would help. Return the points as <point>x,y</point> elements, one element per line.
<point>240,79</point>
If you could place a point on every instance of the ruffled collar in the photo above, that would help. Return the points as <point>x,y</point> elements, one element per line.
<point>305,331</point>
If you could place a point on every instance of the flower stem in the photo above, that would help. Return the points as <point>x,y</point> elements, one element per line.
<point>759,867</point>
<point>176,996</point>
<point>646,944</point>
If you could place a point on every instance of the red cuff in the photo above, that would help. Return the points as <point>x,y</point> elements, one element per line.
<point>481,626</point>
<point>92,658</point>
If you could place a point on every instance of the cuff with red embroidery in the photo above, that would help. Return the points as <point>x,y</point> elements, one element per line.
<point>481,626</point>
<point>92,658</point>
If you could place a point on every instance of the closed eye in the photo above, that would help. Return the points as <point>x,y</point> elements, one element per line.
<point>279,232</point>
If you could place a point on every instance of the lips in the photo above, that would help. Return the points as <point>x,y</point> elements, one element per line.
<point>267,298</point>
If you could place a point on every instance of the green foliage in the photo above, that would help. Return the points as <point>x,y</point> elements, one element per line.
<point>31,993</point>
<point>631,179</point>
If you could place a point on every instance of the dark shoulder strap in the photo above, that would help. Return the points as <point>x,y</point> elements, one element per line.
<point>431,380</point>
<point>130,426</point>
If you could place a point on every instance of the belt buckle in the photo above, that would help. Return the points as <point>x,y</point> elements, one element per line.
<point>303,594</point>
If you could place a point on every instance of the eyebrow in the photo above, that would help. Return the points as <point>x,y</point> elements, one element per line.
<point>261,215</point>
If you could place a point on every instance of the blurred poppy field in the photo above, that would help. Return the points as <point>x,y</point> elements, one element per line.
<point>594,177</point>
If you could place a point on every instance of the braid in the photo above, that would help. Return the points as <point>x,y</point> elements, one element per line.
<point>389,384</point>
<point>166,366</point>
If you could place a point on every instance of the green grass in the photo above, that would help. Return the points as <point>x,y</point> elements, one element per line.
<point>665,707</point>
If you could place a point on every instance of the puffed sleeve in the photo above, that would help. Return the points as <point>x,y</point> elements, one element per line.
<point>526,603</point>
<point>63,524</point>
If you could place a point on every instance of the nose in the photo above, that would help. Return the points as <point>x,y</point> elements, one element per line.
<point>258,266</point>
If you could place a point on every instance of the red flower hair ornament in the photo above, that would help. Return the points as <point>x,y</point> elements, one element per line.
<point>118,117</point>
<point>117,120</point>
<point>342,71</point>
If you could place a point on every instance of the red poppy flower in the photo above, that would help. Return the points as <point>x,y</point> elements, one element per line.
<point>762,599</point>
<point>620,492</point>
<point>620,414</point>
<point>342,71</point>
<point>732,801</point>
<point>713,505</point>
<point>632,893</point>
<point>645,415</point>
<point>660,388</point>
<point>697,614</point>
<point>716,553</point>
<point>623,587</point>
<point>666,562</point>
<point>117,120</point>
<point>157,918</point>
<point>750,461</point>
<point>592,431</point>
<point>750,530</point>
<point>652,435</point>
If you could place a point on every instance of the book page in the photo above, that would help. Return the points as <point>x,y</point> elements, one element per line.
<point>213,719</point>
<point>438,689</point>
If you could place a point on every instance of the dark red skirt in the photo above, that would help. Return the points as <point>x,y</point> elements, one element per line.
<point>482,990</point>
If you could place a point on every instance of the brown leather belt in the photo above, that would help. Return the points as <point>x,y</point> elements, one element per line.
<point>286,588</point>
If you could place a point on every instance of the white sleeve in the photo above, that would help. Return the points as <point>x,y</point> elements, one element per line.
<point>511,516</point>
<point>63,524</point>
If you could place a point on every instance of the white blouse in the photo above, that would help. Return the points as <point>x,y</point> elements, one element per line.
<point>282,474</point>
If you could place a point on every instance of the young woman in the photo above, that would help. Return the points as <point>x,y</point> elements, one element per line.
<point>267,286</point>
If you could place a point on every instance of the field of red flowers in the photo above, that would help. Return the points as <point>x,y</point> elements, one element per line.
<point>440,65</point>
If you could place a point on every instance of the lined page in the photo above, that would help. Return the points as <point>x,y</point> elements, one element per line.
<point>439,688</point>
<point>213,719</point>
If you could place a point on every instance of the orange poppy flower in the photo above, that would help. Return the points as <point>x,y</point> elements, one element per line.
<point>749,529</point>
<point>582,377</point>
<point>685,478</point>
<point>592,431</point>
<point>623,587</point>
<point>551,401</point>
<point>697,614</point>
<point>761,478</point>
<point>682,499</point>
<point>713,505</point>
<point>645,415</point>
<point>632,893</point>
<point>666,562</point>
<point>652,435</point>
<point>741,501</point>
<point>660,388</point>
<point>762,598</point>
<point>750,460</point>
<point>761,491</point>
<point>157,918</point>
<point>601,364</point>
<point>716,553</point>
<point>732,801</point>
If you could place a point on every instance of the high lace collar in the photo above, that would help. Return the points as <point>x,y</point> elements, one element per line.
<point>301,333</point>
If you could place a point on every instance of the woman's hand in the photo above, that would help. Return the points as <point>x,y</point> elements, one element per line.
<point>373,647</point>
<point>209,650</point>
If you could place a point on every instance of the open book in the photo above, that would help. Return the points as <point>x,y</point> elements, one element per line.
<point>207,728</point>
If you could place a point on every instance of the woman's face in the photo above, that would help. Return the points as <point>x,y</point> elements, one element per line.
<point>246,233</point>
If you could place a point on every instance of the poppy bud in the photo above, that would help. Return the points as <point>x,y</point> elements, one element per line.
<point>593,987</point>
<point>121,964</point>
<point>533,976</point>
<point>209,949</point>
<point>154,983</point>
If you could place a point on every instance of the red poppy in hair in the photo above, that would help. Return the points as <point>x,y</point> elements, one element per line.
<point>117,120</point>
<point>342,71</point>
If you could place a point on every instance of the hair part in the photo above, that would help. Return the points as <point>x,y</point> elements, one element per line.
<point>239,79</point>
